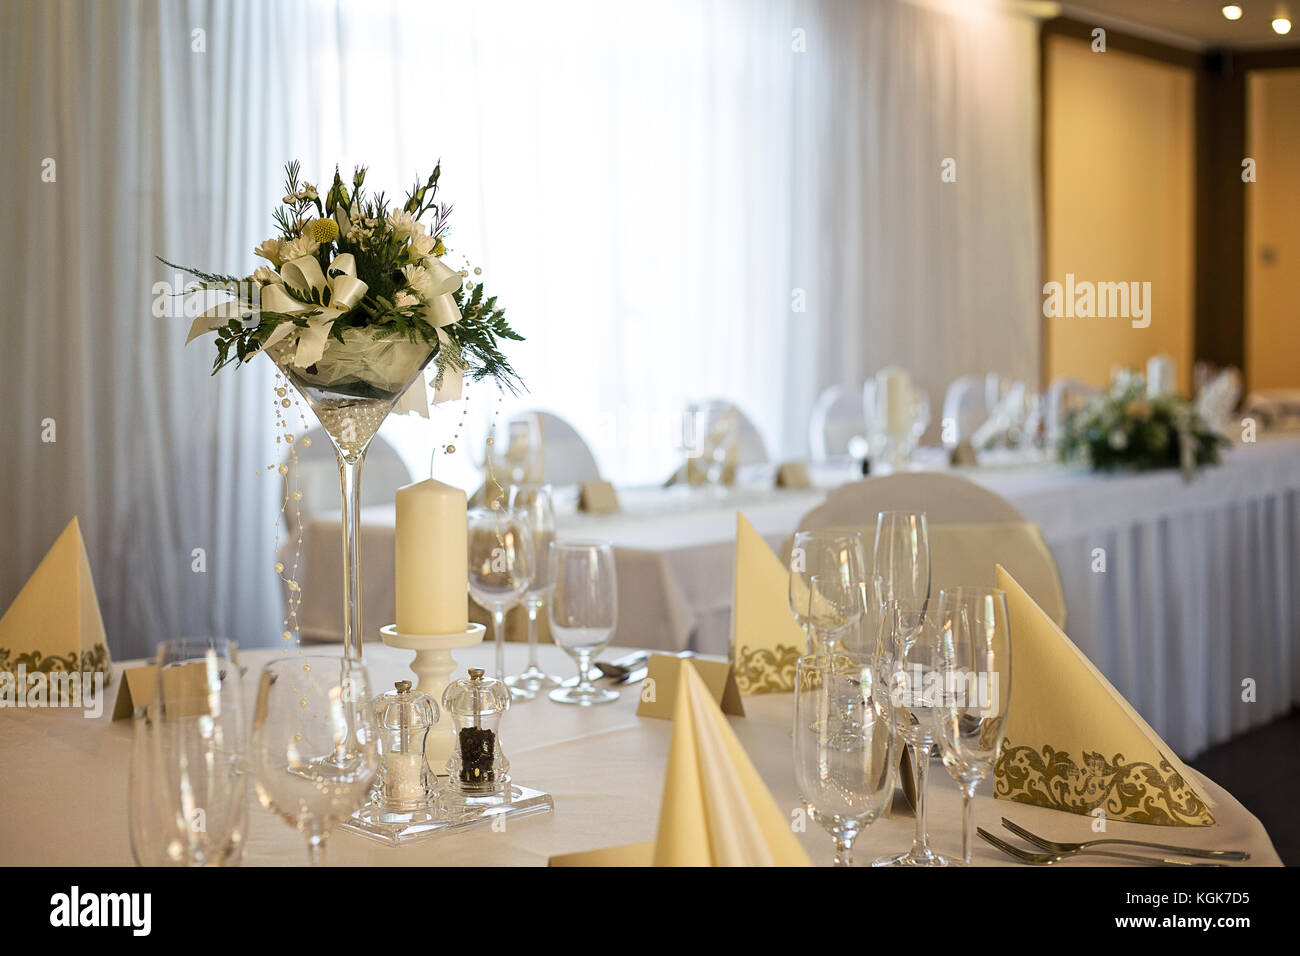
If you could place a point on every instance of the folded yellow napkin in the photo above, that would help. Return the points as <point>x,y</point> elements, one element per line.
<point>1074,743</point>
<point>54,623</point>
<point>766,640</point>
<point>716,810</point>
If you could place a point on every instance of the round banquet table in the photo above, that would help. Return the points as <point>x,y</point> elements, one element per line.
<point>64,787</point>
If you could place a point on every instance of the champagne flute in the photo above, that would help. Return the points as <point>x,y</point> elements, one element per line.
<point>584,612</point>
<point>314,745</point>
<point>188,789</point>
<point>836,559</point>
<point>845,786</point>
<point>974,645</point>
<point>902,557</point>
<point>913,676</point>
<point>500,569</point>
<point>535,504</point>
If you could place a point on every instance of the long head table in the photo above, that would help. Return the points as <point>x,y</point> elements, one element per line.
<point>65,786</point>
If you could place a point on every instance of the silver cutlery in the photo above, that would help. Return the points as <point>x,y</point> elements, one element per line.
<point>1047,859</point>
<point>623,667</point>
<point>1067,848</point>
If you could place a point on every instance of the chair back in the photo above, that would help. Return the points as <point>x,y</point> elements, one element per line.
<point>836,420</point>
<point>971,528</point>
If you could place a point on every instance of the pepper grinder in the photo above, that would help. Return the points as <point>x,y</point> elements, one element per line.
<point>477,767</point>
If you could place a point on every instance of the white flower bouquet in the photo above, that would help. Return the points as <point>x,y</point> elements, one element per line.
<point>356,297</point>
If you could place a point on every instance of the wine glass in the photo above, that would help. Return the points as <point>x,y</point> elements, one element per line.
<point>914,668</point>
<point>836,559</point>
<point>583,611</point>
<point>845,786</point>
<point>974,648</point>
<point>902,557</point>
<point>500,570</point>
<point>187,792</point>
<point>535,504</point>
<point>314,746</point>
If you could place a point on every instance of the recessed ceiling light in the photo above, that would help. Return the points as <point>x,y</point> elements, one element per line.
<point>1281,25</point>
<point>1232,12</point>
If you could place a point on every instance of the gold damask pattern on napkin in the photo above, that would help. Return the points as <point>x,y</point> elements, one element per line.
<point>766,670</point>
<point>1134,792</point>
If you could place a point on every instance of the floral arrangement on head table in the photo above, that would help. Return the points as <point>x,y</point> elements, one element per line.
<point>350,269</point>
<point>1126,428</point>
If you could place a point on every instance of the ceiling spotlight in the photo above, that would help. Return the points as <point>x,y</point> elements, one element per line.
<point>1232,12</point>
<point>1281,25</point>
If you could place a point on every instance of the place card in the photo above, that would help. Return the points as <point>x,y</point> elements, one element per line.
<point>186,689</point>
<point>661,685</point>
<point>597,497</point>
<point>793,475</point>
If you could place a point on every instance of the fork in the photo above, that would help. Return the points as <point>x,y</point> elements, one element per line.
<point>1047,859</point>
<point>1068,848</point>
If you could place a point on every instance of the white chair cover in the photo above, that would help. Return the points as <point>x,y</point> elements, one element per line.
<point>836,420</point>
<point>1063,395</point>
<point>1217,401</point>
<point>317,476</point>
<point>965,406</point>
<point>566,456</point>
<point>750,447</point>
<point>971,530</point>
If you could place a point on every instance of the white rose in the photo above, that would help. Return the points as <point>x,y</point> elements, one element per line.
<point>404,299</point>
<point>422,246</point>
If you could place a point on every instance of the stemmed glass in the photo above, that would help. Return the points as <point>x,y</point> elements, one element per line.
<point>187,784</point>
<point>314,745</point>
<point>913,675</point>
<point>902,557</point>
<point>534,503</point>
<point>974,657</point>
<point>583,612</point>
<point>836,559</point>
<point>500,570</point>
<point>845,787</point>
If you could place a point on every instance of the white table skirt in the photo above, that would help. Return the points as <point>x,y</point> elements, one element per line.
<point>1196,598</point>
<point>63,793</point>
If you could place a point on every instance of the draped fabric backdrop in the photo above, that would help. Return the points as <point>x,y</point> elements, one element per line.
<point>675,199</point>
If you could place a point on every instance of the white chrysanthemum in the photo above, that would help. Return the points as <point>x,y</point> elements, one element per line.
<point>404,225</point>
<point>419,281</point>
<point>264,275</point>
<point>272,249</point>
<point>299,247</point>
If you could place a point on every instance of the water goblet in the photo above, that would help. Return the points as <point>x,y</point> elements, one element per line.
<point>583,612</point>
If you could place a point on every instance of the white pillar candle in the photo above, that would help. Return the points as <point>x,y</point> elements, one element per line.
<point>1160,376</point>
<point>432,565</point>
<point>897,395</point>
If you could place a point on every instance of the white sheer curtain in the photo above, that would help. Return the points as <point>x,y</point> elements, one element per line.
<point>648,186</point>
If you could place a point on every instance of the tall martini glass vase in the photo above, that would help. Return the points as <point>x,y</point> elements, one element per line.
<point>351,389</point>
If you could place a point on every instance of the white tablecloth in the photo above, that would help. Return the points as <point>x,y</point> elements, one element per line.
<point>63,790</point>
<point>1196,598</point>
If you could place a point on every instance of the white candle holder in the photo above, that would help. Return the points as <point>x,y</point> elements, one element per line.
<point>433,666</point>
